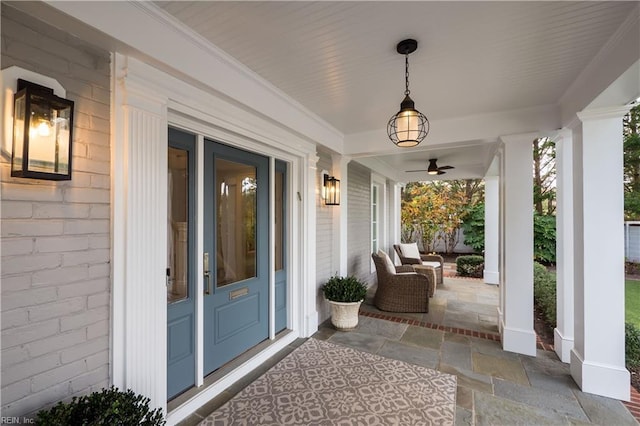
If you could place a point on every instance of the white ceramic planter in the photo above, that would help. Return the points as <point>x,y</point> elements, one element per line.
<point>344,316</point>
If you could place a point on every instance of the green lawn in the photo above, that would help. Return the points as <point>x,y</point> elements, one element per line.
<point>632,302</point>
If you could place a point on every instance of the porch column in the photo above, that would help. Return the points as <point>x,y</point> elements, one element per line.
<point>563,333</point>
<point>517,186</point>
<point>309,292</point>
<point>598,358</point>
<point>491,229</point>
<point>340,217</point>
<point>139,177</point>
<point>395,217</point>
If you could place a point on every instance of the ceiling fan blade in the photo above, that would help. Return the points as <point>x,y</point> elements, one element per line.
<point>440,172</point>
<point>446,167</point>
<point>422,170</point>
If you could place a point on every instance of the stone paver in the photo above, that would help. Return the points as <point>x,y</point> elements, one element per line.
<point>491,410</point>
<point>494,387</point>
<point>563,405</point>
<point>456,354</point>
<point>381,328</point>
<point>425,357</point>
<point>477,382</point>
<point>503,368</point>
<point>364,342</point>
<point>425,337</point>
<point>605,411</point>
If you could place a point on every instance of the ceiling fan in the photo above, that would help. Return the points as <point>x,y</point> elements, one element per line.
<point>433,168</point>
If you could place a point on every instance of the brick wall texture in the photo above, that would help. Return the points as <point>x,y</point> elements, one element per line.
<point>55,235</point>
<point>359,232</point>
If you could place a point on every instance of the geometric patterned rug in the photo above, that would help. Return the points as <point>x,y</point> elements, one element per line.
<point>321,383</point>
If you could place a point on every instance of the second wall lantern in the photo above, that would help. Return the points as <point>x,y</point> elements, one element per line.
<point>331,190</point>
<point>42,133</point>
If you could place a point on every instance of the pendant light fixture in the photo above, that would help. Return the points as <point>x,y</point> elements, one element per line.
<point>409,126</point>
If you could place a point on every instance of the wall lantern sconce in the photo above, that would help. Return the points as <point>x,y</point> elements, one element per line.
<point>42,133</point>
<point>331,190</point>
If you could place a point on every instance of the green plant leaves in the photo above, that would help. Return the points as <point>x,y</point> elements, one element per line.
<point>344,289</point>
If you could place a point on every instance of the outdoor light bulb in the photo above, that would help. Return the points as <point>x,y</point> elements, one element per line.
<point>43,129</point>
<point>408,125</point>
<point>432,172</point>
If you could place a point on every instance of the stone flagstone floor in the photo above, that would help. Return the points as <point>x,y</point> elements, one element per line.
<point>457,337</point>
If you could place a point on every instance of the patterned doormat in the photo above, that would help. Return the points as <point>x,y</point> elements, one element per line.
<point>321,383</point>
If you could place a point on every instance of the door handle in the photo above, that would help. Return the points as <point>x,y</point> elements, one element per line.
<point>207,273</point>
<point>207,288</point>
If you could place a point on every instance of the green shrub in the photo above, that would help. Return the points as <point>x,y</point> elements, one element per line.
<point>344,289</point>
<point>544,293</point>
<point>544,238</point>
<point>108,407</point>
<point>632,345</point>
<point>473,227</point>
<point>470,266</point>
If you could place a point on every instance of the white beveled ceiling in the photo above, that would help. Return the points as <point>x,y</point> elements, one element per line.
<point>338,59</point>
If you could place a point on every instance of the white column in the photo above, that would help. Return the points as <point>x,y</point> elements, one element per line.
<point>395,216</point>
<point>563,333</point>
<point>308,230</point>
<point>139,312</point>
<point>517,328</point>
<point>491,229</point>
<point>598,358</point>
<point>340,216</point>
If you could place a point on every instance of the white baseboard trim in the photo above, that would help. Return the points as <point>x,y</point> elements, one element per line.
<point>600,379</point>
<point>562,345</point>
<point>491,277</point>
<point>519,341</point>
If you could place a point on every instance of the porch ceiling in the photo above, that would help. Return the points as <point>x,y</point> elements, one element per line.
<point>474,59</point>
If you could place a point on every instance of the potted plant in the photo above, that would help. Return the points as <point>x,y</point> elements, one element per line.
<point>344,294</point>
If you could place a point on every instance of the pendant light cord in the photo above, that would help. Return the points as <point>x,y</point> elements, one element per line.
<point>406,74</point>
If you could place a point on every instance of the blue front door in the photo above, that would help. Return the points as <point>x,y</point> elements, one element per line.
<point>236,252</point>
<point>181,259</point>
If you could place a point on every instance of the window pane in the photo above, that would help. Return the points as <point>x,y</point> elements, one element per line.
<point>279,220</point>
<point>177,227</point>
<point>236,221</point>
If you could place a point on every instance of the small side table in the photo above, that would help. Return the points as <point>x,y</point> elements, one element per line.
<point>430,272</point>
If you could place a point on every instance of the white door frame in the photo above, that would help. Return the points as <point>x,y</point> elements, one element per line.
<point>145,102</point>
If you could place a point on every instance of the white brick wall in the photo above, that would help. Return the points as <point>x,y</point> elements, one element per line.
<point>55,235</point>
<point>324,236</point>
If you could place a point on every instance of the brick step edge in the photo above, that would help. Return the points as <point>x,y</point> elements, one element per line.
<point>633,406</point>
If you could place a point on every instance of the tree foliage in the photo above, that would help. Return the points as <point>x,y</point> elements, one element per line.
<point>473,227</point>
<point>544,238</point>
<point>434,211</point>
<point>544,176</point>
<point>631,149</point>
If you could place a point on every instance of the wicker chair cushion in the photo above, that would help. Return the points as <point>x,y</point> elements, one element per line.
<point>410,250</point>
<point>434,264</point>
<point>391,268</point>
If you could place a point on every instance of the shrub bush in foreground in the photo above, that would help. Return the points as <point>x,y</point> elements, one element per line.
<point>470,266</point>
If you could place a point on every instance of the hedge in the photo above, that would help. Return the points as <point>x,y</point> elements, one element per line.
<point>470,266</point>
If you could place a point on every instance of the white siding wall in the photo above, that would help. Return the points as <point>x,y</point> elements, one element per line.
<point>324,236</point>
<point>359,244</point>
<point>55,235</point>
<point>632,241</point>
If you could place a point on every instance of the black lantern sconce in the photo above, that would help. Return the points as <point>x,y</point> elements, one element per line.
<point>331,190</point>
<point>42,133</point>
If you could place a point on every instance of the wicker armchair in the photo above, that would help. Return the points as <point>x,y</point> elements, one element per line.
<point>434,260</point>
<point>401,289</point>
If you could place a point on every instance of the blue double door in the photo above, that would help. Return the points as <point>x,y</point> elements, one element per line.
<point>236,256</point>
